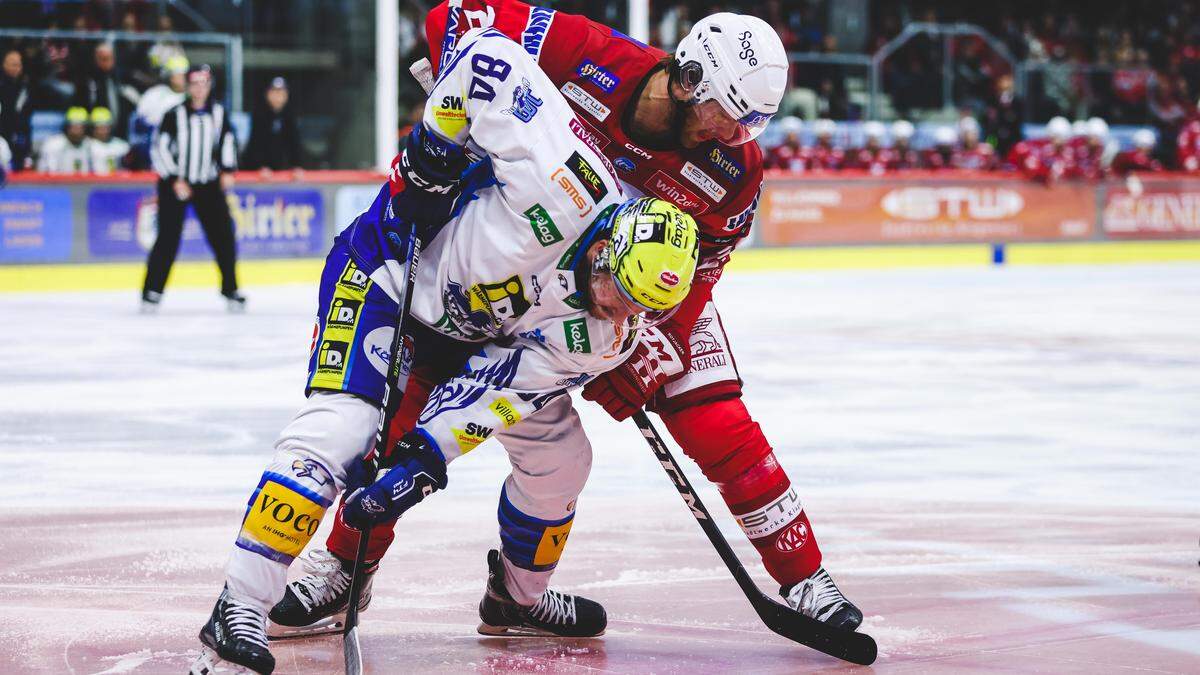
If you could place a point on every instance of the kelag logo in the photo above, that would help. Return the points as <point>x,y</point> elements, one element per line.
<point>543,225</point>
<point>598,76</point>
<point>578,341</point>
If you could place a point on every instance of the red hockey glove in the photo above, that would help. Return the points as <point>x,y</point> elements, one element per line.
<point>623,390</point>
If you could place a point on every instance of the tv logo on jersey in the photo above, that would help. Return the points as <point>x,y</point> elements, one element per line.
<point>578,340</point>
<point>525,104</point>
<point>592,182</point>
<point>598,76</point>
<point>588,134</point>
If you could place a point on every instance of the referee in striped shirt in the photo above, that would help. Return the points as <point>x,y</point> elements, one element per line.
<point>194,154</point>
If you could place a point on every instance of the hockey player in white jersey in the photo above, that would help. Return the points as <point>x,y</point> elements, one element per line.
<point>539,280</point>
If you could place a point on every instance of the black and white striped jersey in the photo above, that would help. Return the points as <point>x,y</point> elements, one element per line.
<point>195,145</point>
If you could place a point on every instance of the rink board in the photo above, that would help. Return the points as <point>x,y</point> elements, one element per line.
<point>203,274</point>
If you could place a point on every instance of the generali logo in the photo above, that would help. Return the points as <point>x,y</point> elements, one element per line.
<point>954,203</point>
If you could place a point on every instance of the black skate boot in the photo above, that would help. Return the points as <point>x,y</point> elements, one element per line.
<point>817,597</point>
<point>235,302</point>
<point>150,302</point>
<point>315,604</point>
<point>555,614</point>
<point>234,639</point>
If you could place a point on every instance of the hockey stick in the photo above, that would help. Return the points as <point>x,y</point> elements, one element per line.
<point>844,644</point>
<point>393,389</point>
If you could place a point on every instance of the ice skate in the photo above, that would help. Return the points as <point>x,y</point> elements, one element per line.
<point>555,614</point>
<point>235,302</point>
<point>817,597</point>
<point>315,604</point>
<point>234,639</point>
<point>150,302</point>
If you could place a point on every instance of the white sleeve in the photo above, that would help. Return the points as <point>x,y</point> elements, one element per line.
<point>488,96</point>
<point>492,393</point>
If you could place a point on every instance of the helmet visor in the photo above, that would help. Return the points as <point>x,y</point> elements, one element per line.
<point>750,126</point>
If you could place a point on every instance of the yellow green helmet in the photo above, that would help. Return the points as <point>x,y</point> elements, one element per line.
<point>655,247</point>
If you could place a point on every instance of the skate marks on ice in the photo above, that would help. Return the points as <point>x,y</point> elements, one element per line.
<point>948,589</point>
<point>999,466</point>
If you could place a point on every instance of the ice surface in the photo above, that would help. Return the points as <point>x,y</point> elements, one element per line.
<point>1001,467</point>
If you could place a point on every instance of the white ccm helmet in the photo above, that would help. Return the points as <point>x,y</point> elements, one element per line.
<point>739,61</point>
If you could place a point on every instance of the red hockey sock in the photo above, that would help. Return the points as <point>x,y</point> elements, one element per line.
<point>732,452</point>
<point>343,539</point>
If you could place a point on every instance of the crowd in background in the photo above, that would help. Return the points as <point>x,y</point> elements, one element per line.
<point>1080,151</point>
<point>113,93</point>
<point>1129,63</point>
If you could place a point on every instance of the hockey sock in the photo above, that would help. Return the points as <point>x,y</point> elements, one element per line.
<point>532,548</point>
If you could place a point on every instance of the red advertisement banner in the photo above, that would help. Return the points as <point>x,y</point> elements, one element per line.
<point>1152,209</point>
<point>797,212</point>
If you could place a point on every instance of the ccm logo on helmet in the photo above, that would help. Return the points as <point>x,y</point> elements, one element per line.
<point>747,53</point>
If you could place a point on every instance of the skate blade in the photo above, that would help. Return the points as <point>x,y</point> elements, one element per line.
<point>330,625</point>
<point>209,663</point>
<point>526,631</point>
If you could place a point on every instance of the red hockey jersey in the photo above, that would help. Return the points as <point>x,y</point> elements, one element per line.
<point>600,71</point>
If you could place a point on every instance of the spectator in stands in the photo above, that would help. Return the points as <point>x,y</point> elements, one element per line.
<point>1140,157</point>
<point>69,152</point>
<point>134,56</point>
<point>903,155</point>
<point>16,109</point>
<point>1187,147</point>
<point>167,46</point>
<point>108,155</point>
<point>101,87</point>
<point>1005,116</point>
<point>788,155</point>
<point>274,136</point>
<point>824,155</point>
<point>160,98</point>
<point>872,156</point>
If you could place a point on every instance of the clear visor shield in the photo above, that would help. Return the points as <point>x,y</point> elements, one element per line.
<point>726,128</point>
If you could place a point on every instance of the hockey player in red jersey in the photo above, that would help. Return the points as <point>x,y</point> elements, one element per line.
<point>789,155</point>
<point>823,155</point>
<point>1140,157</point>
<point>872,156</point>
<point>903,154</point>
<point>1187,147</point>
<point>1046,159</point>
<point>677,127</point>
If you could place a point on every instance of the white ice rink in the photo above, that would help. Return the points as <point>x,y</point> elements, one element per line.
<point>1002,467</point>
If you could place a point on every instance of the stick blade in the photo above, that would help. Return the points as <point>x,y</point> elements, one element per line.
<point>352,650</point>
<point>847,645</point>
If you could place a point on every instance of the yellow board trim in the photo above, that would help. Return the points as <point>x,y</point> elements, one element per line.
<point>203,274</point>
